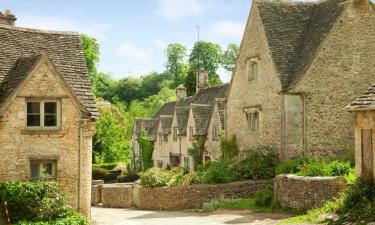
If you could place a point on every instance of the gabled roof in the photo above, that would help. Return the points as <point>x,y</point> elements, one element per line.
<point>208,95</point>
<point>294,32</point>
<point>364,102</point>
<point>201,115</point>
<point>182,114</point>
<point>16,75</point>
<point>166,123</point>
<point>221,109</point>
<point>166,109</point>
<point>65,50</point>
<point>145,124</point>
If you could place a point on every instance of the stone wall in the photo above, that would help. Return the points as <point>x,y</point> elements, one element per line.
<point>96,192</point>
<point>176,198</point>
<point>306,192</point>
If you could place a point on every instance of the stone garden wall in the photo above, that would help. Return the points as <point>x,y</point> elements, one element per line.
<point>298,192</point>
<point>178,197</point>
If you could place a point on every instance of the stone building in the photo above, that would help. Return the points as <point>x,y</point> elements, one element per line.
<point>363,109</point>
<point>197,118</point>
<point>299,65</point>
<point>47,110</point>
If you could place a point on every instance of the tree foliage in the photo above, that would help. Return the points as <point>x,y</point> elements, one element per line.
<point>176,62</point>
<point>229,57</point>
<point>92,54</point>
<point>147,147</point>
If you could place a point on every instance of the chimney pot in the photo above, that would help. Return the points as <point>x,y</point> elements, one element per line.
<point>181,92</point>
<point>7,18</point>
<point>202,80</point>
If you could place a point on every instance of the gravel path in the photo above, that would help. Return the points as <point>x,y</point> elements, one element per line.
<point>106,216</point>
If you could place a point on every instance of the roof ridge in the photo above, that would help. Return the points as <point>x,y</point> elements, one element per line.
<point>33,30</point>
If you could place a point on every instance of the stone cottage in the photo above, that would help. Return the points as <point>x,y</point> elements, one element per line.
<point>299,65</point>
<point>181,123</point>
<point>363,109</point>
<point>47,110</point>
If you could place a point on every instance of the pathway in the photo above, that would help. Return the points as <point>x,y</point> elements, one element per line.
<point>107,216</point>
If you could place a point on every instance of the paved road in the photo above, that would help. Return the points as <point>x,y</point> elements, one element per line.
<point>105,216</point>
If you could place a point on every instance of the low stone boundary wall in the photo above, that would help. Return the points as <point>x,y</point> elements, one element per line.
<point>96,192</point>
<point>178,197</point>
<point>305,193</point>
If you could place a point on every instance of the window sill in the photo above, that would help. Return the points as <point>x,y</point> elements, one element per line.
<point>40,132</point>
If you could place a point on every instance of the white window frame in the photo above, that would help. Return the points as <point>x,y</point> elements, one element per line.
<point>42,114</point>
<point>253,120</point>
<point>41,163</point>
<point>252,69</point>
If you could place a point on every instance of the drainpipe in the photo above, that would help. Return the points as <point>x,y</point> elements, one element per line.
<point>80,166</point>
<point>304,124</point>
<point>179,138</point>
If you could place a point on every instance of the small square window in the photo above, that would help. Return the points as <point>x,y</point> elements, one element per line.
<point>42,114</point>
<point>253,121</point>
<point>40,170</point>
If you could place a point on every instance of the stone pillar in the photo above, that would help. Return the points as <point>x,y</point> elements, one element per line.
<point>202,80</point>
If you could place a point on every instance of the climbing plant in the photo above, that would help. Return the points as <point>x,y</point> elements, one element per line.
<point>228,147</point>
<point>196,151</point>
<point>147,148</point>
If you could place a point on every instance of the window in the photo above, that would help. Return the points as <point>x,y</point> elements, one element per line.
<point>215,133</point>
<point>42,170</point>
<point>187,164</point>
<point>252,69</point>
<point>160,164</point>
<point>191,133</point>
<point>253,120</point>
<point>174,133</point>
<point>43,114</point>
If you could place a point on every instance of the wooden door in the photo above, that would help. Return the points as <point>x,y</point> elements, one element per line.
<point>367,155</point>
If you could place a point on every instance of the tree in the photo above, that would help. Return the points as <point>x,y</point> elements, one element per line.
<point>92,55</point>
<point>110,144</point>
<point>206,56</point>
<point>229,57</point>
<point>190,83</point>
<point>176,62</point>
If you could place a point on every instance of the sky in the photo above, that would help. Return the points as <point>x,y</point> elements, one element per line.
<point>133,34</point>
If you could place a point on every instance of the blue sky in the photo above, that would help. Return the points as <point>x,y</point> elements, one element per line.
<point>133,34</point>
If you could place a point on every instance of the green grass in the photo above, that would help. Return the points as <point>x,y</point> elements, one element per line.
<point>223,203</point>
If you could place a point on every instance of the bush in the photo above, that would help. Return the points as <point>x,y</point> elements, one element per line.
<point>291,166</point>
<point>257,163</point>
<point>218,172</point>
<point>229,148</point>
<point>37,202</point>
<point>106,166</point>
<point>129,177</point>
<point>103,174</point>
<point>156,177</point>
<point>318,167</point>
<point>265,198</point>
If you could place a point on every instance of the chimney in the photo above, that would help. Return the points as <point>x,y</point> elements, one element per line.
<point>181,92</point>
<point>7,18</point>
<point>363,4</point>
<point>202,80</point>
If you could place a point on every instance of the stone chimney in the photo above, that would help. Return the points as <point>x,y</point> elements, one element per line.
<point>180,92</point>
<point>7,18</point>
<point>202,80</point>
<point>364,4</point>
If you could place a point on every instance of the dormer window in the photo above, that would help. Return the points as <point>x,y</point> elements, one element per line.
<point>252,69</point>
<point>42,115</point>
<point>160,138</point>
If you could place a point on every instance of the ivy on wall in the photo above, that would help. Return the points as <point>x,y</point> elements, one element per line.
<point>196,151</point>
<point>147,148</point>
<point>229,148</point>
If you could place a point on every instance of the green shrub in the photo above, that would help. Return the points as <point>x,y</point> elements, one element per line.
<point>196,151</point>
<point>38,202</point>
<point>129,177</point>
<point>291,166</point>
<point>147,147</point>
<point>106,166</point>
<point>319,167</point>
<point>218,172</point>
<point>257,163</point>
<point>265,198</point>
<point>229,148</point>
<point>103,174</point>
<point>156,177</point>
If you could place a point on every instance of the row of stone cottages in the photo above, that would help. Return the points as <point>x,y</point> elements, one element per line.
<point>299,66</point>
<point>47,109</point>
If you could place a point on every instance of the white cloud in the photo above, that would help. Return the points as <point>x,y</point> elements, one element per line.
<point>227,29</point>
<point>160,43</point>
<point>174,10</point>
<point>130,51</point>
<point>61,24</point>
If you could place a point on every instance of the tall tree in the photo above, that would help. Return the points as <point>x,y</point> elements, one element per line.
<point>229,57</point>
<point>92,55</point>
<point>176,62</point>
<point>206,56</point>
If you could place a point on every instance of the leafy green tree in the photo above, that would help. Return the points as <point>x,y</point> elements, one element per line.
<point>176,62</point>
<point>147,147</point>
<point>104,85</point>
<point>110,144</point>
<point>92,55</point>
<point>190,83</point>
<point>206,56</point>
<point>229,57</point>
